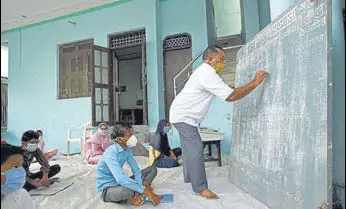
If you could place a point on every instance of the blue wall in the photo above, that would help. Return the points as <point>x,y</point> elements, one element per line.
<point>33,67</point>
<point>190,18</point>
<point>219,115</point>
<point>264,13</point>
<point>255,17</point>
<point>250,19</point>
<point>278,7</point>
<point>338,96</point>
<point>33,63</point>
<point>211,24</point>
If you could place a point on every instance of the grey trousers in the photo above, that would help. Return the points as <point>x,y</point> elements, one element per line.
<point>119,194</point>
<point>193,156</point>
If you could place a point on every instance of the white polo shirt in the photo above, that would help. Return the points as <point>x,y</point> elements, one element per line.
<point>192,103</point>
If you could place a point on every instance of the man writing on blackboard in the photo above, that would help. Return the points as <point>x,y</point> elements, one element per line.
<point>191,106</point>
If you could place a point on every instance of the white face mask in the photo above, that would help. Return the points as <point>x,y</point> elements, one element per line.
<point>103,132</point>
<point>132,142</point>
<point>31,147</point>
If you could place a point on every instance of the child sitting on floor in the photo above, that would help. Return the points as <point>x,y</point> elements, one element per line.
<point>13,196</point>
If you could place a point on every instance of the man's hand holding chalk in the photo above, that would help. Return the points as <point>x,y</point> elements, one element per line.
<point>260,76</point>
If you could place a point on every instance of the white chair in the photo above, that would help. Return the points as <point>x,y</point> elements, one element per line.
<point>85,131</point>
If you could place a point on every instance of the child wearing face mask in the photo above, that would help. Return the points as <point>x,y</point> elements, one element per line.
<point>160,153</point>
<point>13,175</point>
<point>30,146</point>
<point>97,144</point>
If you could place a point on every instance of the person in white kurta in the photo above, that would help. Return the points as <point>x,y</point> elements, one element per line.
<point>190,107</point>
<point>19,199</point>
<point>13,176</point>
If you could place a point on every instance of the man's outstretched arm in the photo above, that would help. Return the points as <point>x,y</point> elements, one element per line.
<point>241,92</point>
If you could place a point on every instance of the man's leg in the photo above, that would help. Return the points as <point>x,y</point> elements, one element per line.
<point>193,160</point>
<point>148,174</point>
<point>184,157</point>
<point>117,194</point>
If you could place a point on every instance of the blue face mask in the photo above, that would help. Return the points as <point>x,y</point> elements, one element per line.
<point>15,179</point>
<point>166,129</point>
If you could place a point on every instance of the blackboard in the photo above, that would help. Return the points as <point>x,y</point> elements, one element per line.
<point>280,146</point>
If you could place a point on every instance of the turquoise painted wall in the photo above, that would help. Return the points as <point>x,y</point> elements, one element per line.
<point>35,65</point>
<point>338,37</point>
<point>180,23</point>
<point>255,17</point>
<point>34,68</point>
<point>278,7</point>
<point>250,19</point>
<point>190,18</point>
<point>211,24</point>
<point>159,63</point>
<point>264,13</point>
<point>33,102</point>
<point>220,118</point>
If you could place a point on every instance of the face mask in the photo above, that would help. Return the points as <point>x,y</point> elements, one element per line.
<point>31,147</point>
<point>15,179</point>
<point>132,142</point>
<point>219,67</point>
<point>103,132</point>
<point>166,129</point>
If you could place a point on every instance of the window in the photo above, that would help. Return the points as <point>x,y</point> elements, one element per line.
<point>75,60</point>
<point>102,87</point>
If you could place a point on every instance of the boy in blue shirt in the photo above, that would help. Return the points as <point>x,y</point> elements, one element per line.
<point>111,180</point>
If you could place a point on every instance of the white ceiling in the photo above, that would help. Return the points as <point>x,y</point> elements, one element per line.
<point>18,13</point>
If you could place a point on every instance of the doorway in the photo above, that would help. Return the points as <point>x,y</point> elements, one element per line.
<point>177,54</point>
<point>129,77</point>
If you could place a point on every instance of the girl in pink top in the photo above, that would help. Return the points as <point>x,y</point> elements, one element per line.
<point>97,144</point>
